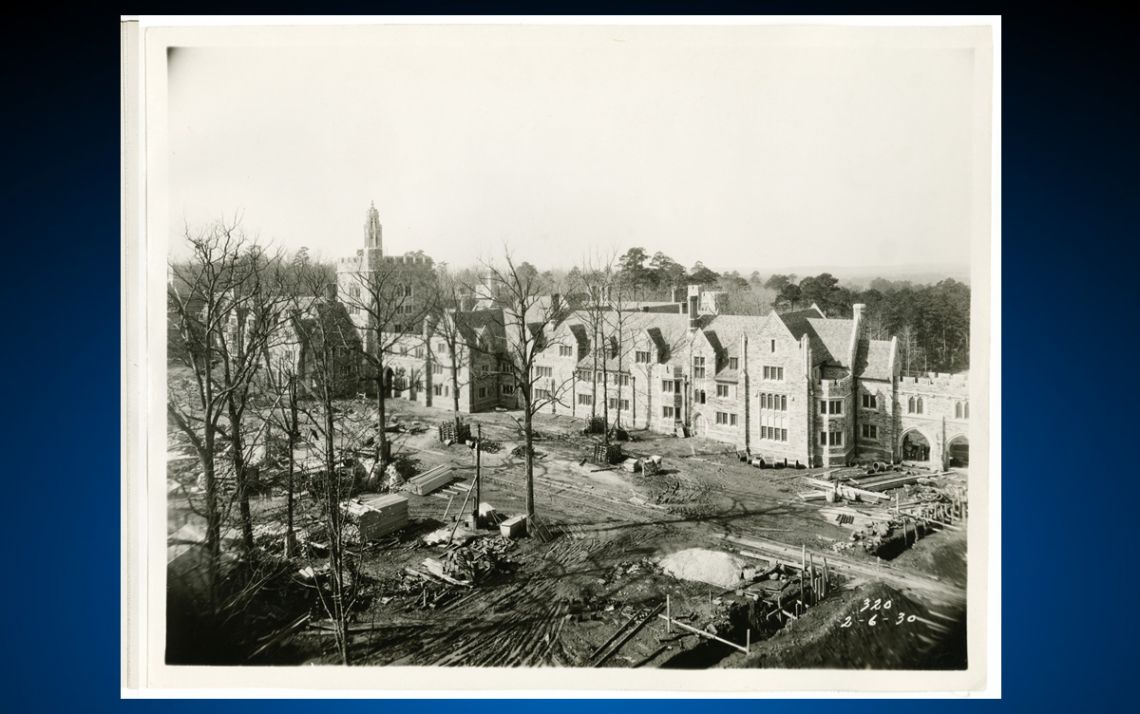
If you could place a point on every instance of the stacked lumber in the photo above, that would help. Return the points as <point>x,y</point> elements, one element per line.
<point>377,516</point>
<point>430,480</point>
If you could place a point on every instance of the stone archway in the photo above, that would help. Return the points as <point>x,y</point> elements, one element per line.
<point>700,425</point>
<point>915,446</point>
<point>958,451</point>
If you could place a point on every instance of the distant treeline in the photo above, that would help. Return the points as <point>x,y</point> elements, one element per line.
<point>931,321</point>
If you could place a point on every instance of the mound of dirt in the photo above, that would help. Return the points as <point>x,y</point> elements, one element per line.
<point>705,566</point>
<point>858,630</point>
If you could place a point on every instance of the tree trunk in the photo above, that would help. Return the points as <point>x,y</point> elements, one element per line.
<point>455,389</point>
<point>293,427</point>
<point>213,518</point>
<point>241,475</point>
<point>336,533</point>
<point>528,434</point>
<point>594,379</point>
<point>381,386</point>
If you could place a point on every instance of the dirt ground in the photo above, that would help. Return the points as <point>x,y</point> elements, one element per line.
<point>567,595</point>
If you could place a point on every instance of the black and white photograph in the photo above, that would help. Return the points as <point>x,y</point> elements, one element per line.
<point>565,356</point>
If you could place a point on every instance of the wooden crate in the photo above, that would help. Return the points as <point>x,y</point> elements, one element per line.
<point>513,527</point>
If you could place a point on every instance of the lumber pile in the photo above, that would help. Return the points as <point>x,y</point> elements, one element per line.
<point>377,516</point>
<point>430,480</point>
<point>449,434</point>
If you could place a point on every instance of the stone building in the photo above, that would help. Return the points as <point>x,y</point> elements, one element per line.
<point>795,387</point>
<point>387,298</point>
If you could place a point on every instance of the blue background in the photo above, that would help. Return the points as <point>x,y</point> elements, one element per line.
<point>1069,273</point>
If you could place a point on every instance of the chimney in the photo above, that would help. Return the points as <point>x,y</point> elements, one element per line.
<point>694,305</point>
<point>555,304</point>
<point>330,292</point>
<point>857,329</point>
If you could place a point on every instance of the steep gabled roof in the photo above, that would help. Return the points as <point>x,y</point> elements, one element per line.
<point>797,320</point>
<point>830,340</point>
<point>873,359</point>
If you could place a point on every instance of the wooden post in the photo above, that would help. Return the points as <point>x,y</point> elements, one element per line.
<point>748,640</point>
<point>825,578</point>
<point>668,615</point>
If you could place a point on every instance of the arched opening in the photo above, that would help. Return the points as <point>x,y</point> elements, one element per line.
<point>915,446</point>
<point>700,425</point>
<point>389,382</point>
<point>959,451</point>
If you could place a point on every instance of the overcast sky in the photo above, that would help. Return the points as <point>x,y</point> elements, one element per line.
<point>712,145</point>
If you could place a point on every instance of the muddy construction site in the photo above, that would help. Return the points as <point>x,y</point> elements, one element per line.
<point>684,556</point>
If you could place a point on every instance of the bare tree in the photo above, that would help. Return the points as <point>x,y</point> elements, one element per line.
<point>530,314</point>
<point>592,282</point>
<point>394,298</point>
<point>329,347</point>
<point>618,323</point>
<point>221,314</point>
<point>448,332</point>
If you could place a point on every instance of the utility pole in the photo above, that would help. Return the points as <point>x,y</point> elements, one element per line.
<point>478,470</point>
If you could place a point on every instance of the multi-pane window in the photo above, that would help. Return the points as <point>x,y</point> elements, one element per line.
<point>961,410</point>
<point>437,368</point>
<point>775,402</point>
<point>616,403</point>
<point>542,394</point>
<point>542,371</point>
<point>914,405</point>
<point>669,385</point>
<point>726,419</point>
<point>482,391</point>
<point>722,390</point>
<point>772,346</point>
<point>508,388</point>
<point>621,379</point>
<point>869,431</point>
<point>734,363</point>
<point>667,412</point>
<point>775,374</point>
<point>586,399</point>
<point>870,401</point>
<point>641,356</point>
<point>700,395</point>
<point>403,350</point>
<point>831,438</point>
<point>438,389</point>
<point>773,433</point>
<point>419,352</point>
<point>698,367</point>
<point>831,406</point>
<point>565,351</point>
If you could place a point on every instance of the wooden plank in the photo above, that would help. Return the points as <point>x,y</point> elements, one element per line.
<point>708,635</point>
<point>844,490</point>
